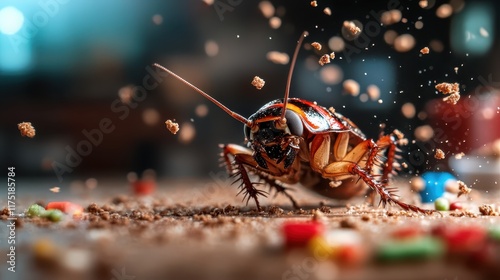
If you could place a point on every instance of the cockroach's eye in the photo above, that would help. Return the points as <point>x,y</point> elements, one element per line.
<point>294,123</point>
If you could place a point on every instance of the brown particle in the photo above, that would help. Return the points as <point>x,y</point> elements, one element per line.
<point>275,211</point>
<point>172,126</point>
<point>318,215</point>
<point>423,4</point>
<point>93,208</point>
<point>447,88</point>
<point>452,98</point>
<point>55,189</point>
<point>366,217</point>
<point>439,154</point>
<point>316,45</point>
<point>278,57</point>
<point>327,11</point>
<point>324,59</point>
<point>351,27</point>
<point>332,55</point>
<point>463,189</point>
<point>314,4</point>
<point>258,82</point>
<point>351,87</point>
<point>488,210</point>
<point>26,129</point>
<point>424,50</point>
<point>348,223</point>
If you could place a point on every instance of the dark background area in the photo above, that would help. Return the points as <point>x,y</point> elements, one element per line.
<point>64,76</point>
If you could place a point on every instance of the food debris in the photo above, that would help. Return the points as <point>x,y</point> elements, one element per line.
<point>172,126</point>
<point>447,88</point>
<point>351,87</point>
<point>423,4</point>
<point>327,11</point>
<point>488,210</point>
<point>456,70</point>
<point>439,154</point>
<point>424,50</point>
<point>316,45</point>
<point>266,8</point>
<point>278,57</point>
<point>398,134</point>
<point>55,189</point>
<point>332,55</point>
<point>462,189</point>
<point>404,42</point>
<point>275,22</point>
<point>314,4</point>
<point>408,110</point>
<point>452,98</point>
<point>373,92</point>
<point>126,94</point>
<point>324,59</point>
<point>26,129</point>
<point>258,82</point>
<point>187,133</point>
<point>391,17</point>
<point>351,26</point>
<point>444,11</point>
<point>424,133</point>
<point>459,155</point>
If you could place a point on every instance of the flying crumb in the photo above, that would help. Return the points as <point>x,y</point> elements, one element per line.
<point>314,4</point>
<point>278,57</point>
<point>258,83</point>
<point>398,134</point>
<point>459,155</point>
<point>332,55</point>
<point>327,11</point>
<point>324,59</point>
<point>424,50</point>
<point>316,45</point>
<point>373,92</point>
<point>444,11</point>
<point>424,133</point>
<point>349,25</point>
<point>462,189</point>
<point>55,189</point>
<point>275,22</point>
<point>267,9</point>
<point>172,126</point>
<point>439,154</point>
<point>351,87</point>
<point>452,98</point>
<point>423,4</point>
<point>447,88</point>
<point>26,129</point>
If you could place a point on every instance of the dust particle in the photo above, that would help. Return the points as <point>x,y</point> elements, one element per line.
<point>424,50</point>
<point>439,154</point>
<point>327,11</point>
<point>324,59</point>
<point>351,87</point>
<point>316,45</point>
<point>462,189</point>
<point>314,4</point>
<point>351,26</point>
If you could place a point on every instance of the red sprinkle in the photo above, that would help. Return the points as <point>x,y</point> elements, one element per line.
<point>464,240</point>
<point>456,206</point>
<point>407,232</point>
<point>144,187</point>
<point>351,255</point>
<point>299,233</point>
<point>66,207</point>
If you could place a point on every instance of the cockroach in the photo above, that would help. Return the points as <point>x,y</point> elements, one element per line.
<point>292,140</point>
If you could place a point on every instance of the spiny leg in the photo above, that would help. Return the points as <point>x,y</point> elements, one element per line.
<point>246,186</point>
<point>279,188</point>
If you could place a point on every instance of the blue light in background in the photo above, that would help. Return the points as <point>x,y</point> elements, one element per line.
<point>11,20</point>
<point>472,30</point>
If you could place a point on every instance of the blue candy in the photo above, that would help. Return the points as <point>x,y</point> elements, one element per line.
<point>435,185</point>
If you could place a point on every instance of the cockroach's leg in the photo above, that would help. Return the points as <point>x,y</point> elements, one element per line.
<point>278,187</point>
<point>387,142</point>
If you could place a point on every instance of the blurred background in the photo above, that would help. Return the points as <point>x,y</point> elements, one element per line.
<point>81,72</point>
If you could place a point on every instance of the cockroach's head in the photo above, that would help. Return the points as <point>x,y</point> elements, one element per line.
<point>273,137</point>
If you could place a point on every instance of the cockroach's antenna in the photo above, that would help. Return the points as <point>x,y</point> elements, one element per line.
<point>233,114</point>
<point>289,80</point>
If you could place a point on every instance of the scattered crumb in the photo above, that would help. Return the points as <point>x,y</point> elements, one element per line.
<point>349,25</point>
<point>456,70</point>
<point>267,9</point>
<point>444,11</point>
<point>316,45</point>
<point>258,82</point>
<point>408,110</point>
<point>462,189</point>
<point>55,189</point>
<point>275,22</point>
<point>348,223</point>
<point>351,87</point>
<point>332,55</point>
<point>324,59</point>
<point>423,4</point>
<point>398,134</point>
<point>26,129</point>
<point>391,17</point>
<point>278,57</point>
<point>452,98</point>
<point>404,42</point>
<point>172,126</point>
<point>488,210</point>
<point>464,213</point>
<point>314,4</point>
<point>187,133</point>
<point>318,215</point>
<point>447,88</point>
<point>424,133</point>
<point>424,50</point>
<point>459,155</point>
<point>404,164</point>
<point>373,92</point>
<point>327,11</point>
<point>439,154</point>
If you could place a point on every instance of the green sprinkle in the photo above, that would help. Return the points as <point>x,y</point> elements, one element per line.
<point>35,210</point>
<point>55,215</point>
<point>442,204</point>
<point>495,233</point>
<point>415,248</point>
